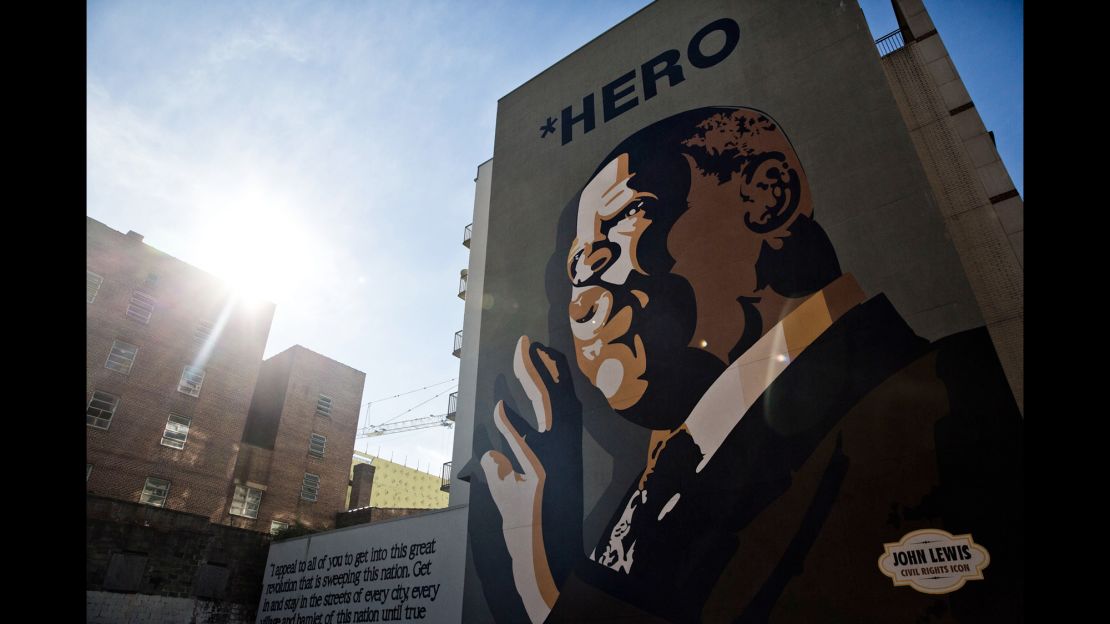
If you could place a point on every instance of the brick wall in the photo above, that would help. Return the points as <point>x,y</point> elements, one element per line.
<point>362,486</point>
<point>313,374</point>
<point>307,375</point>
<point>115,608</point>
<point>130,449</point>
<point>180,562</point>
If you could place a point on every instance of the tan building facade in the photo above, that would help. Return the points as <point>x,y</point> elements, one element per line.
<point>397,485</point>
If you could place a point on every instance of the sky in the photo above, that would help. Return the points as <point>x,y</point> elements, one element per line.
<point>322,156</point>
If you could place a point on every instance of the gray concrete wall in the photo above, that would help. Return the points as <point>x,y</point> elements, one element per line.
<point>472,331</point>
<point>981,208</point>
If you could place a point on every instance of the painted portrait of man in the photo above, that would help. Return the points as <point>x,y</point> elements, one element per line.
<point>795,423</point>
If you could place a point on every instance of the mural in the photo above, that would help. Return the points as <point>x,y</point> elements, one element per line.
<point>796,426</point>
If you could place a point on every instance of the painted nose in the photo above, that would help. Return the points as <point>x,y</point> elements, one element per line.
<point>590,262</point>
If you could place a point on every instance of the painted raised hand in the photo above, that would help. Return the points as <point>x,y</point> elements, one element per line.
<point>541,503</point>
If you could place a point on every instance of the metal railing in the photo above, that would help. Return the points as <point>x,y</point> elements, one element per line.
<point>457,352</point>
<point>445,477</point>
<point>890,42</point>
<point>466,235</point>
<point>452,405</point>
<point>462,284</point>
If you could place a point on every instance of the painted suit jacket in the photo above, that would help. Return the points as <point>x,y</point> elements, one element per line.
<point>871,433</point>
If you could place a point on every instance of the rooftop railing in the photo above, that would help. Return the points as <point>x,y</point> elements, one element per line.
<point>890,43</point>
<point>452,405</point>
<point>445,478</point>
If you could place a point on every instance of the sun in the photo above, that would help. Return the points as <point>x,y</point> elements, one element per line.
<point>258,246</point>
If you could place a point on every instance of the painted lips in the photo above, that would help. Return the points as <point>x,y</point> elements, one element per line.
<point>613,364</point>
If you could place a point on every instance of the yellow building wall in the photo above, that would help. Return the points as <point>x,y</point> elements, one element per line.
<point>396,485</point>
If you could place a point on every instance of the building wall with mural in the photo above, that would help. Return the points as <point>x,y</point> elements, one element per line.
<point>749,340</point>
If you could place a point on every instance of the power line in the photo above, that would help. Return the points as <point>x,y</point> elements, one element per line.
<point>417,405</point>
<point>412,391</point>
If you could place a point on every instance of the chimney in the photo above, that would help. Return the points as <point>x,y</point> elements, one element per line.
<point>135,236</point>
<point>361,485</point>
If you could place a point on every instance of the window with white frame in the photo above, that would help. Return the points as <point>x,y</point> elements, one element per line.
<point>246,502</point>
<point>155,492</point>
<point>121,357</point>
<point>323,406</point>
<point>102,406</point>
<point>191,379</point>
<point>310,487</point>
<point>92,285</point>
<point>277,525</point>
<point>203,332</point>
<point>316,444</point>
<point>177,431</point>
<point>140,307</point>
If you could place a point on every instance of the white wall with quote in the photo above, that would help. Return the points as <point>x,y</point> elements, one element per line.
<point>404,570</point>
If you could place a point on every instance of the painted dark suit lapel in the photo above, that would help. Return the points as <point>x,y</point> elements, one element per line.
<point>679,559</point>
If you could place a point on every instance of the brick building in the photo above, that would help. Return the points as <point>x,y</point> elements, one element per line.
<point>299,438</point>
<point>172,363</point>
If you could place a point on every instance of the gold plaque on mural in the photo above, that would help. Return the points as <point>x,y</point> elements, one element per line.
<point>933,561</point>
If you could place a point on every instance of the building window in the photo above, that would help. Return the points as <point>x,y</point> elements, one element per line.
<point>121,357</point>
<point>140,307</point>
<point>323,406</point>
<point>177,431</point>
<point>100,410</point>
<point>316,444</point>
<point>155,492</point>
<point>246,502</point>
<point>276,526</point>
<point>203,332</point>
<point>191,379</point>
<point>310,487</point>
<point>92,285</point>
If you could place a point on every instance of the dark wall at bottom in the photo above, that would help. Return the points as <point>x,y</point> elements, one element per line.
<point>139,549</point>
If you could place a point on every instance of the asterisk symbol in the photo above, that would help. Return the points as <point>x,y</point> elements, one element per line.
<point>548,128</point>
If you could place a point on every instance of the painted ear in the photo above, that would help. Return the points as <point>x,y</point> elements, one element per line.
<point>774,191</point>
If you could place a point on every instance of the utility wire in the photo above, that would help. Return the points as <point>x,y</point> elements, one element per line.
<point>412,391</point>
<point>416,406</point>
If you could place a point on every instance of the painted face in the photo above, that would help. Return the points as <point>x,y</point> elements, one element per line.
<point>603,267</point>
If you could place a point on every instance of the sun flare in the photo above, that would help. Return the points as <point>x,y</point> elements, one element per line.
<point>259,247</point>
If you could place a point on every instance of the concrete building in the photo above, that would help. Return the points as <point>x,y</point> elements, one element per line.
<point>175,380</point>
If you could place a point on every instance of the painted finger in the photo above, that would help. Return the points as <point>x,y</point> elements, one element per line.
<point>550,364</point>
<point>496,466</point>
<point>529,463</point>
<point>535,387</point>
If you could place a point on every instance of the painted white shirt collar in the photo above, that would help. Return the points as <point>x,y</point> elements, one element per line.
<point>733,393</point>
